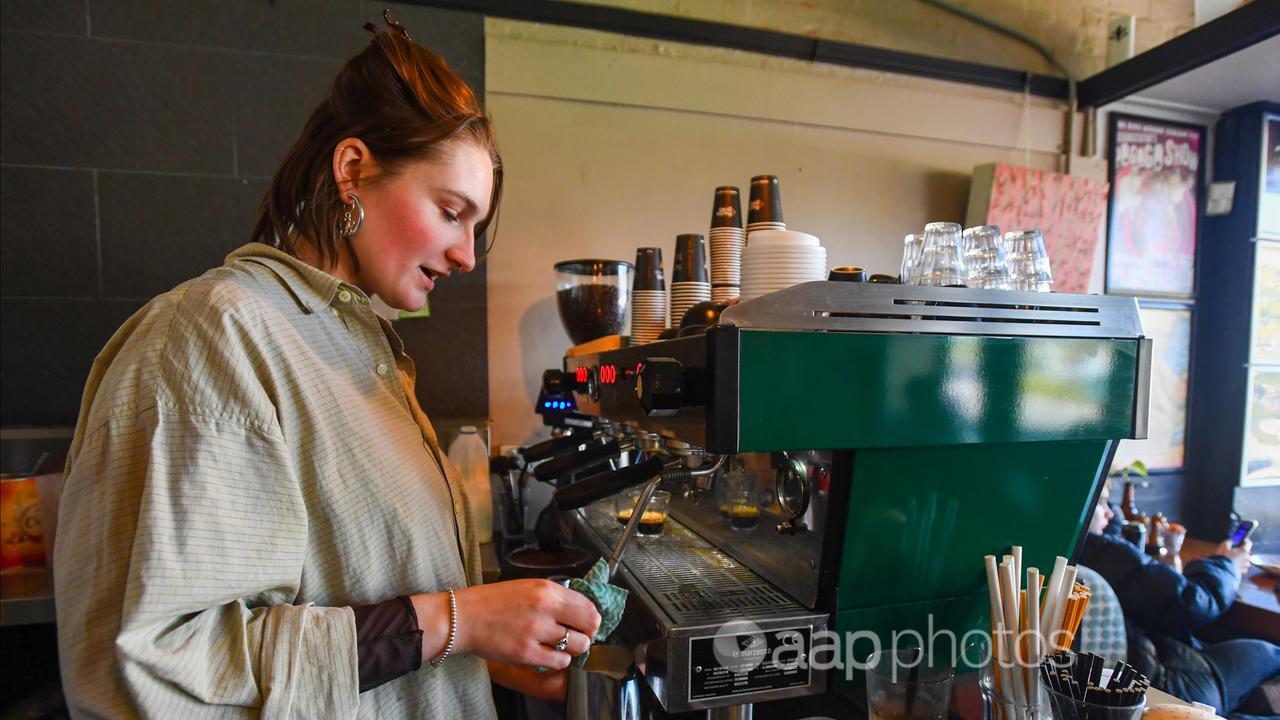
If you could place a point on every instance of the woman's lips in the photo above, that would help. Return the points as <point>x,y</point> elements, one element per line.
<point>429,277</point>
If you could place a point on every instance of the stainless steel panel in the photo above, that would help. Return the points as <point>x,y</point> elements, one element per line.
<point>883,307</point>
<point>1142,395</point>
<point>687,588</point>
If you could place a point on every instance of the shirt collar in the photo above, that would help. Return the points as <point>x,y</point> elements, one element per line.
<point>311,287</point>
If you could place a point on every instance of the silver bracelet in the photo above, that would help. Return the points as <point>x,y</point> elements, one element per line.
<point>453,630</point>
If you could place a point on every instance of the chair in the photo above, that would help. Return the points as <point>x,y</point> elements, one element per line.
<point>1102,629</point>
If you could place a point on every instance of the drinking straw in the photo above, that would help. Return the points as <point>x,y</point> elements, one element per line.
<point>993,589</point>
<point>913,677</point>
<point>1060,607</point>
<point>1017,563</point>
<point>1033,625</point>
<point>1004,682</point>
<point>1051,600</point>
<point>1008,586</point>
<point>997,616</point>
<point>1078,603</point>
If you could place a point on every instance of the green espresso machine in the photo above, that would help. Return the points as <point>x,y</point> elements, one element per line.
<point>891,436</point>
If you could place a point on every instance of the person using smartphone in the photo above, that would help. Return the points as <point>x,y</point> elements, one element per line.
<point>1164,608</point>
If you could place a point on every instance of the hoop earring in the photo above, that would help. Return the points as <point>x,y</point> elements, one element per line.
<point>351,222</point>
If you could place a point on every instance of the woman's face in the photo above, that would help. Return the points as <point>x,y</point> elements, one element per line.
<point>419,224</point>
<point>1102,513</point>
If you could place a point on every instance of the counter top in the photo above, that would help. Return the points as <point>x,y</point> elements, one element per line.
<point>26,596</point>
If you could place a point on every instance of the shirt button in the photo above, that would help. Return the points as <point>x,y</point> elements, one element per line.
<point>382,368</point>
<point>344,295</point>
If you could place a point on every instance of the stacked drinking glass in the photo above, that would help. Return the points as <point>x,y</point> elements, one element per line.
<point>1028,261</point>
<point>943,256</point>
<point>941,259</point>
<point>912,245</point>
<point>984,258</point>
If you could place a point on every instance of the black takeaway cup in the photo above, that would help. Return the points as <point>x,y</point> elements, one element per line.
<point>691,259</point>
<point>847,273</point>
<point>726,209</point>
<point>649,272</point>
<point>765,205</point>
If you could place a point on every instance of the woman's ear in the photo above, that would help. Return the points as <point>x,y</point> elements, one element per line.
<point>353,163</point>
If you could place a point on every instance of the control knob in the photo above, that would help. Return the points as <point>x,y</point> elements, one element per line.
<point>660,386</point>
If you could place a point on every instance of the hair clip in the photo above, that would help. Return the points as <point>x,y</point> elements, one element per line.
<point>395,24</point>
<point>391,24</point>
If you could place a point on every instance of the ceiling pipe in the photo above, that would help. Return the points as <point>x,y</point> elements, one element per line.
<point>1064,160</point>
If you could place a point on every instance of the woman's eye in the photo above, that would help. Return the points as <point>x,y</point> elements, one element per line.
<point>450,216</point>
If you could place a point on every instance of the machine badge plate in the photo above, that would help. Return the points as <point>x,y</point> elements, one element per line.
<point>740,663</point>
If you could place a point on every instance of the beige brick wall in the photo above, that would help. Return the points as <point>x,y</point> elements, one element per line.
<point>1074,29</point>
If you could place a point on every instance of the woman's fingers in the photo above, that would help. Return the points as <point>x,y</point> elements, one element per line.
<point>575,643</point>
<point>576,611</point>
<point>521,622</point>
<point>548,657</point>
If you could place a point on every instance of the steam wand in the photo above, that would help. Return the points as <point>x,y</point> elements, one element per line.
<point>671,474</point>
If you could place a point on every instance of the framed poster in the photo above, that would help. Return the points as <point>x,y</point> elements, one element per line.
<point>1169,327</point>
<point>1154,210</point>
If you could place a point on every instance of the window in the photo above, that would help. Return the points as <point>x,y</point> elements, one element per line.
<point>1261,462</point>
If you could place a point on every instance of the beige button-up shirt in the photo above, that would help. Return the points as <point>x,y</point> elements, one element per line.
<point>249,462</point>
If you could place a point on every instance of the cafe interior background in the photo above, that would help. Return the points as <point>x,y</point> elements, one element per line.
<point>138,137</point>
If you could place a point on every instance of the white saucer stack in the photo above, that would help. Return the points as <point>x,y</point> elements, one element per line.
<point>777,259</point>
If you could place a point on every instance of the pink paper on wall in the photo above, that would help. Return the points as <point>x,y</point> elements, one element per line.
<point>1069,210</point>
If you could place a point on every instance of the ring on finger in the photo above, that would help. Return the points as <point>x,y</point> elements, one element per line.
<point>563,643</point>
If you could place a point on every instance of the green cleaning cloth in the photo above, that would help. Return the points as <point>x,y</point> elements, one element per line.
<point>609,600</point>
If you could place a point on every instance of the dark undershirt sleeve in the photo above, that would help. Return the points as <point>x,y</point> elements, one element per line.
<point>388,641</point>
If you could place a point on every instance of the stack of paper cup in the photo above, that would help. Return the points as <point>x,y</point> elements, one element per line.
<point>689,281</point>
<point>764,209</point>
<point>726,238</point>
<point>648,297</point>
<point>777,259</point>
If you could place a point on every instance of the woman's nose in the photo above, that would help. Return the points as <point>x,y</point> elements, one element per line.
<point>464,254</point>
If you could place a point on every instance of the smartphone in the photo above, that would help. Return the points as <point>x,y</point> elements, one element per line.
<point>1242,532</point>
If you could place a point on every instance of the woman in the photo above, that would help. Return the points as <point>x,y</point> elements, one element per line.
<point>257,519</point>
<point>1163,608</point>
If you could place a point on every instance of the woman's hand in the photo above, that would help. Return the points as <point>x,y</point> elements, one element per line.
<point>517,622</point>
<point>549,685</point>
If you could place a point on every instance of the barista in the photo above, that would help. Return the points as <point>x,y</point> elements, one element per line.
<point>257,519</point>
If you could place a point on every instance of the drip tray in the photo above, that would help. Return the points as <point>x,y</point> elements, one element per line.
<point>693,581</point>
